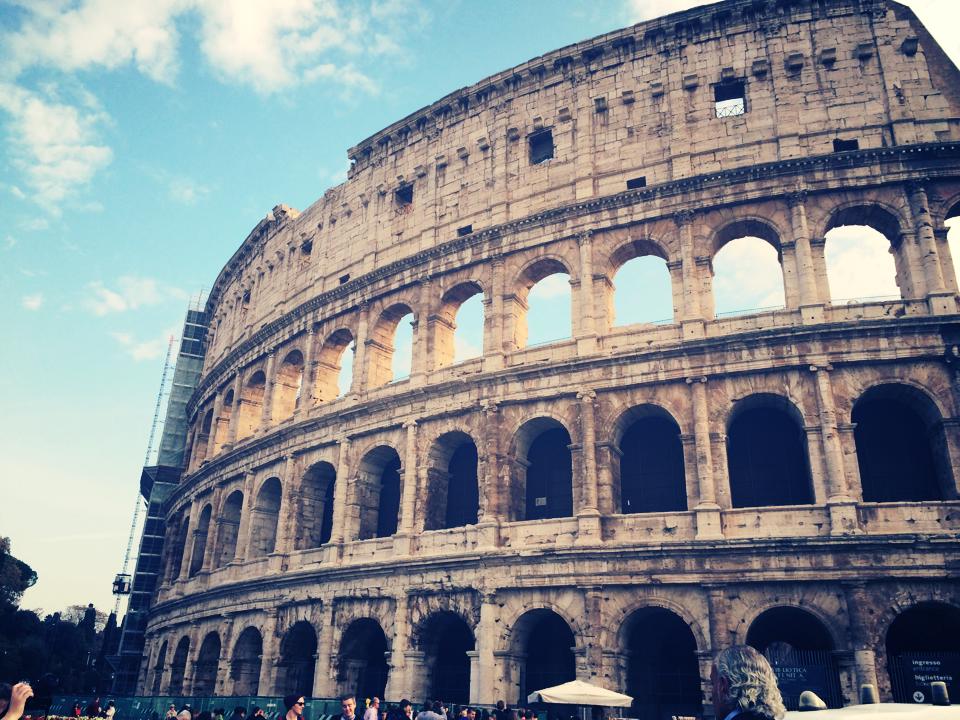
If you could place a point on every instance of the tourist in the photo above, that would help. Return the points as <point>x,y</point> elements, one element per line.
<point>294,705</point>
<point>257,712</point>
<point>14,699</point>
<point>744,686</point>
<point>185,714</point>
<point>219,713</point>
<point>77,710</point>
<point>373,709</point>
<point>110,710</point>
<point>239,713</point>
<point>432,711</point>
<point>93,708</point>
<point>171,712</point>
<point>348,707</point>
<point>501,712</point>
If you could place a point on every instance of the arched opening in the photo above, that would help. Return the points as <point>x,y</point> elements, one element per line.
<point>390,348</point>
<point>545,644</point>
<point>245,665</point>
<point>651,469</point>
<point>251,405</point>
<point>335,366</point>
<point>663,674</point>
<point>264,519</point>
<point>228,528</point>
<point>222,432</point>
<point>179,527</point>
<point>158,668</point>
<point>178,667</point>
<point>458,326</point>
<point>445,640</point>
<point>924,642</point>
<point>200,540</point>
<point>542,305</point>
<point>747,271</point>
<point>297,664</point>
<point>543,477</point>
<point>767,454</point>
<point>378,493</point>
<point>453,495</point>
<point>952,223</point>
<point>863,256</point>
<point>205,672</point>
<point>901,446</point>
<point>800,650</point>
<point>362,668</point>
<point>202,442</point>
<point>287,386</point>
<point>315,509</point>
<point>641,291</point>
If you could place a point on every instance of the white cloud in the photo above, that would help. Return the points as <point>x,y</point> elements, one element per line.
<point>138,349</point>
<point>187,191</point>
<point>8,242</point>
<point>859,264</point>
<point>17,192</point>
<point>747,276</point>
<point>640,10</point>
<point>32,302</point>
<point>131,292</point>
<point>35,224</point>
<point>552,286</point>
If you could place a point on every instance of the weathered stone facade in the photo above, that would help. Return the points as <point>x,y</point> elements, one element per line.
<point>280,575</point>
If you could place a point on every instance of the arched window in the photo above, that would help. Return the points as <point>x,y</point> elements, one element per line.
<point>901,446</point>
<point>800,650</point>
<point>378,493</point>
<point>651,468</point>
<point>297,663</point>
<point>222,431</point>
<point>926,635</point>
<point>457,327</point>
<point>228,528</point>
<point>767,454</point>
<point>545,645</point>
<point>264,519</point>
<point>335,366</point>
<point>542,305</point>
<point>202,443</point>
<point>178,529</point>
<point>445,640</point>
<point>315,512</point>
<point>200,540</point>
<point>452,491</point>
<point>390,349</point>
<point>363,668</point>
<point>543,479</point>
<point>642,291</point>
<point>178,667</point>
<point>251,405</point>
<point>663,675</point>
<point>747,273</point>
<point>205,670</point>
<point>863,256</point>
<point>288,386</point>
<point>158,668</point>
<point>245,666</point>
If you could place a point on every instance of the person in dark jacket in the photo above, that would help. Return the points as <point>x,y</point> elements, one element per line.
<point>744,686</point>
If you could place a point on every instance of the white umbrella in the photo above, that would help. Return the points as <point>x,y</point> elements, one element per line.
<point>577,692</point>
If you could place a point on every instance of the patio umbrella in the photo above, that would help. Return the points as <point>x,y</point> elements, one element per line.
<point>578,692</point>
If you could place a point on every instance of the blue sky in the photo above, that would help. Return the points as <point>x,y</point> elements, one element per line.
<point>139,144</point>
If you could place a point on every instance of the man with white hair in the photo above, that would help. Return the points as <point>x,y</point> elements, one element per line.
<point>744,686</point>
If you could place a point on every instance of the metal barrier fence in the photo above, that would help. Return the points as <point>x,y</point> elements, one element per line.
<point>155,707</point>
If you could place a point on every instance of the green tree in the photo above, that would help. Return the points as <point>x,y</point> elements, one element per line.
<point>15,576</point>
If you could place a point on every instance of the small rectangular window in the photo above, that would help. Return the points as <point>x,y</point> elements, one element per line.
<point>541,146</point>
<point>730,98</point>
<point>845,145</point>
<point>306,248</point>
<point>344,278</point>
<point>540,502</point>
<point>404,195</point>
<point>637,182</point>
<point>465,230</point>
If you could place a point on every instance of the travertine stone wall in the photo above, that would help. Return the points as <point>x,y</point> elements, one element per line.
<point>270,435</point>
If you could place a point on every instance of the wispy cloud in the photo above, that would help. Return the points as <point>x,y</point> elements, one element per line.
<point>32,302</point>
<point>859,264</point>
<point>747,275</point>
<point>187,191</point>
<point>140,349</point>
<point>130,292</point>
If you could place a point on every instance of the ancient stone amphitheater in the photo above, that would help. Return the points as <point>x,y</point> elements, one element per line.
<point>617,506</point>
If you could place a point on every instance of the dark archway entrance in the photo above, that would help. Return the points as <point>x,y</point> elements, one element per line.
<point>363,663</point>
<point>297,662</point>
<point>378,493</point>
<point>767,454</point>
<point>453,494</point>
<point>800,650</point>
<point>651,465</point>
<point>922,643</point>
<point>549,471</point>
<point>663,674</point>
<point>547,648</point>
<point>245,667</point>
<point>178,666</point>
<point>315,513</point>
<point>445,641</point>
<point>205,673</point>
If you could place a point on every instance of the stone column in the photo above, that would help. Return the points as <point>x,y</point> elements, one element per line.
<point>817,246</point>
<point>222,682</point>
<point>307,401</point>
<point>708,511</point>
<point>675,268</point>
<point>690,470</point>
<point>816,453</point>
<point>864,656</point>
<point>208,549</point>
<point>946,259</point>
<point>608,497</point>
<point>912,266</point>
<point>234,413</point>
<point>692,307</point>
<point>489,512</point>
<point>788,266</point>
<point>811,301</point>
<point>588,515</point>
<point>340,492</point>
<point>359,383</point>
<point>843,511</point>
<point>399,679</point>
<point>269,656</point>
<point>593,616</point>
<point>940,297</point>
<point>190,541</point>
<point>267,416</point>
<point>325,675</point>
<point>213,446</point>
<point>483,683</point>
<point>403,540</point>
<point>721,479</point>
<point>494,340</point>
<point>421,362</point>
<point>415,667</point>
<point>586,331</point>
<point>721,638</point>
<point>289,501</point>
<point>243,532</point>
<point>851,465</point>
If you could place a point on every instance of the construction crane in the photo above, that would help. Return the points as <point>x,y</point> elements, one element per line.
<point>122,583</point>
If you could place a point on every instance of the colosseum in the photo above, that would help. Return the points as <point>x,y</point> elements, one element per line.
<point>618,505</point>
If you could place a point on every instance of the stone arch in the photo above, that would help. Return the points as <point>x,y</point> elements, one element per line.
<point>222,431</point>
<point>178,666</point>
<point>616,630</point>
<point>899,434</point>
<point>542,645</point>
<point>246,661</point>
<point>265,516</point>
<point>745,226</point>
<point>453,495</point>
<point>378,492</point>
<point>362,668</point>
<point>643,250</point>
<point>886,219</point>
<point>203,444</point>
<point>531,274</point>
<point>649,475</point>
<point>380,344</point>
<point>179,526</point>
<point>158,667</point>
<point>443,325</point>
<point>445,638</point>
<point>739,231</point>
<point>542,463</point>
<point>205,667</point>
<point>329,363</point>
<point>766,441</point>
<point>251,404</point>
<point>228,529</point>
<point>315,506</point>
<point>200,537</point>
<point>287,386</point>
<point>297,662</point>
<point>925,630</point>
